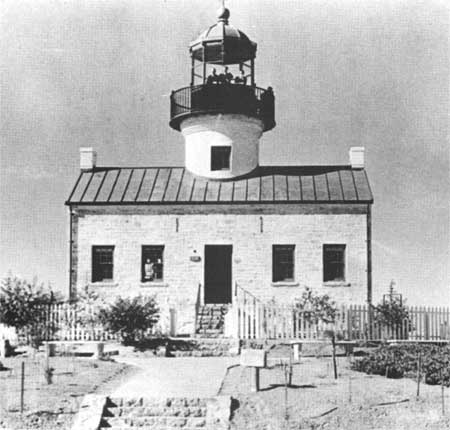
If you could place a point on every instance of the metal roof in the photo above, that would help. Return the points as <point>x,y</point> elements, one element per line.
<point>221,43</point>
<point>176,185</point>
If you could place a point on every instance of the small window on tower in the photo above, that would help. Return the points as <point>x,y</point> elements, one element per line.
<point>220,157</point>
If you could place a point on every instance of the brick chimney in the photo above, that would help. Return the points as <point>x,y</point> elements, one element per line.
<point>88,158</point>
<point>356,155</point>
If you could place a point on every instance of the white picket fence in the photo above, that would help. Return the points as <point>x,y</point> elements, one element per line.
<point>63,319</point>
<point>249,318</point>
<point>253,319</point>
<point>63,323</point>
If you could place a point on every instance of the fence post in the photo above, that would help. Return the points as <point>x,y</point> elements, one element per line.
<point>370,320</point>
<point>333,343</point>
<point>22,386</point>
<point>427,324</point>
<point>349,322</point>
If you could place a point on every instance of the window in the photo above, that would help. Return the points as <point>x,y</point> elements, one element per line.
<point>152,263</point>
<point>283,263</point>
<point>102,263</point>
<point>220,157</point>
<point>333,263</point>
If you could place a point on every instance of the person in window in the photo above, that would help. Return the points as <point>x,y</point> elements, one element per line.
<point>213,78</point>
<point>149,270</point>
<point>241,79</point>
<point>228,75</point>
<point>225,77</point>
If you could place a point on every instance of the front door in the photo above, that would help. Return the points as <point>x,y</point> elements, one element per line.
<point>218,273</point>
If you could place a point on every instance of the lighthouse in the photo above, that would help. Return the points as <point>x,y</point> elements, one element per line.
<point>222,113</point>
<point>220,238</point>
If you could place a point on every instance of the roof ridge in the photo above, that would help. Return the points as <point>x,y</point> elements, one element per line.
<point>260,167</point>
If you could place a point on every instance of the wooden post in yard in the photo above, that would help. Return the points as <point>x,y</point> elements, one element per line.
<point>442,394</point>
<point>255,359</point>
<point>418,375</point>
<point>333,343</point>
<point>254,385</point>
<point>22,386</point>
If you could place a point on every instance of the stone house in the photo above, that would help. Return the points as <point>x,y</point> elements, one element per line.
<point>193,235</point>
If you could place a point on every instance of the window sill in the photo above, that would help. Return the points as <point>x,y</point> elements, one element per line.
<point>104,284</point>
<point>337,284</point>
<point>153,284</point>
<point>285,284</point>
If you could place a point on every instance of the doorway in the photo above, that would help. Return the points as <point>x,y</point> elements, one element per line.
<point>218,275</point>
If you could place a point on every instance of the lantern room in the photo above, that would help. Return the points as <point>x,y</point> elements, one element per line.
<point>223,46</point>
<point>222,113</point>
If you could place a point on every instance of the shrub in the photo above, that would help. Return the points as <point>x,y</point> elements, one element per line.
<point>22,306</point>
<point>316,307</point>
<point>130,317</point>
<point>88,305</point>
<point>392,313</point>
<point>399,361</point>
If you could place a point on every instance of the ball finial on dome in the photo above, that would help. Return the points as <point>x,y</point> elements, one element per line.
<point>223,14</point>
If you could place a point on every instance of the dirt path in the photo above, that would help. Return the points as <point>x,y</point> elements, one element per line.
<point>177,377</point>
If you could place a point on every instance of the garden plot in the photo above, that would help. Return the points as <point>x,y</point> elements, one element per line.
<point>355,401</point>
<point>52,406</point>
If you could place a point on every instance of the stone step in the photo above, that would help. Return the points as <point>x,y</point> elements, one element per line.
<point>211,318</point>
<point>210,334</point>
<point>156,402</point>
<point>178,422</point>
<point>158,427</point>
<point>209,326</point>
<point>149,411</point>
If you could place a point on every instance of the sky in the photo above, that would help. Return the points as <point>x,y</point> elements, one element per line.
<point>372,73</point>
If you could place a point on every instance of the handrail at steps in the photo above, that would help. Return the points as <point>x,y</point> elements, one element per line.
<point>197,306</point>
<point>245,294</point>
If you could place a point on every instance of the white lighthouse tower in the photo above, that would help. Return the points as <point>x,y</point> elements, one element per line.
<point>222,113</point>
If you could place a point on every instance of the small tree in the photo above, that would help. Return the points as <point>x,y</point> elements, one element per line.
<point>88,305</point>
<point>23,305</point>
<point>393,315</point>
<point>316,307</point>
<point>130,317</point>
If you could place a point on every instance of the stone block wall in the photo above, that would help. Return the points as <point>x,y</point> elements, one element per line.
<point>251,235</point>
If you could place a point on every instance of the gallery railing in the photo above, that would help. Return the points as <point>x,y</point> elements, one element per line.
<point>223,98</point>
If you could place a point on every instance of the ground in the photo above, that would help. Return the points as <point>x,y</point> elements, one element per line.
<point>53,406</point>
<point>355,401</point>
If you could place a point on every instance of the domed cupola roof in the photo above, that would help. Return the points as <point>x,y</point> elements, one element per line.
<point>222,43</point>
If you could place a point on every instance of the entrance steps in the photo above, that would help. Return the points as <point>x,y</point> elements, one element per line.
<point>210,320</point>
<point>167,414</point>
<point>204,347</point>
